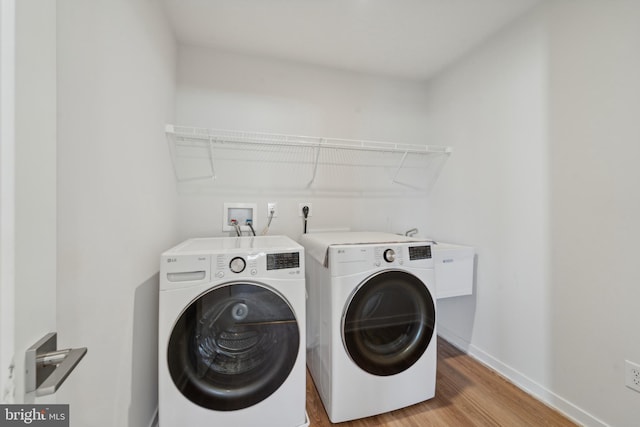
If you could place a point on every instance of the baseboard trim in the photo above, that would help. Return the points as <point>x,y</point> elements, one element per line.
<point>521,381</point>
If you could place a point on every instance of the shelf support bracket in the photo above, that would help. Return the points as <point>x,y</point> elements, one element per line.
<point>315,163</point>
<point>211,162</point>
<point>395,175</point>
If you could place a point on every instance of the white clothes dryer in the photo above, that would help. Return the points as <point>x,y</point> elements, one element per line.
<point>231,333</point>
<point>371,322</point>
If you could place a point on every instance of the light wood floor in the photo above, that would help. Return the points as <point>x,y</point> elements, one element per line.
<point>467,394</point>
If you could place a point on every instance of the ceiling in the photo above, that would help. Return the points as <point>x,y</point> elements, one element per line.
<point>409,39</point>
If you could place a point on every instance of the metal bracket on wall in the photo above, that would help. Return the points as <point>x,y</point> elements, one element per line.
<point>315,162</point>
<point>46,367</point>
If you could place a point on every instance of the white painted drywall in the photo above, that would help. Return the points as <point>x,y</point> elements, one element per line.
<point>494,196</point>
<point>35,223</point>
<point>544,123</point>
<point>116,201</point>
<point>411,42</point>
<point>230,91</point>
<point>595,203</point>
<point>7,199</point>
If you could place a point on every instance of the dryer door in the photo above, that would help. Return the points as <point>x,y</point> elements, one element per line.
<point>233,346</point>
<point>388,322</point>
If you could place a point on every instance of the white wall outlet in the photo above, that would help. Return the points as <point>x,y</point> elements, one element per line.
<point>302,205</point>
<point>272,207</point>
<point>632,375</point>
<point>240,212</point>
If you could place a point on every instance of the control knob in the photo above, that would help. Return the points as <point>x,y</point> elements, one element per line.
<point>389,255</point>
<point>237,265</point>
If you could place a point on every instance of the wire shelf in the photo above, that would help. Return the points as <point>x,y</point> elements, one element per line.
<point>250,160</point>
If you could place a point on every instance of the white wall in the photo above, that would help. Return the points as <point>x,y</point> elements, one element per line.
<point>544,122</point>
<point>229,91</point>
<point>116,202</point>
<point>35,225</point>
<point>493,195</point>
<point>595,203</point>
<point>7,198</point>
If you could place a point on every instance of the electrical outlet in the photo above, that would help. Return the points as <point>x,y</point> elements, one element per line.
<point>272,207</point>
<point>302,205</point>
<point>632,375</point>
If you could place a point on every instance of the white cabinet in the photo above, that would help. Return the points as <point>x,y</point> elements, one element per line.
<point>454,265</point>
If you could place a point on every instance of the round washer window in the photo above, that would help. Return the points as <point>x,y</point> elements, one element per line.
<point>388,323</point>
<point>233,346</point>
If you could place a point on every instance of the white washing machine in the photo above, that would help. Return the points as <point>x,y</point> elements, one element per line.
<point>231,333</point>
<point>371,320</point>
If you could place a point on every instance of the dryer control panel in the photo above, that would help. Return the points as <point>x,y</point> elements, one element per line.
<point>348,259</point>
<point>420,252</point>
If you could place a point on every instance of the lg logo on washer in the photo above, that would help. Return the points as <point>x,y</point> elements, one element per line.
<point>176,259</point>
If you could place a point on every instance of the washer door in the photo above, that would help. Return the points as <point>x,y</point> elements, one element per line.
<point>233,346</point>
<point>388,323</point>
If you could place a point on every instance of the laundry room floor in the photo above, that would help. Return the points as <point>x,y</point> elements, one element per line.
<point>467,394</point>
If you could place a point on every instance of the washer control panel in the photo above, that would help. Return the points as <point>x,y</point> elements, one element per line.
<point>276,264</point>
<point>203,260</point>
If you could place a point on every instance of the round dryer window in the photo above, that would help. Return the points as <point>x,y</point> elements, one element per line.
<point>388,323</point>
<point>233,346</point>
